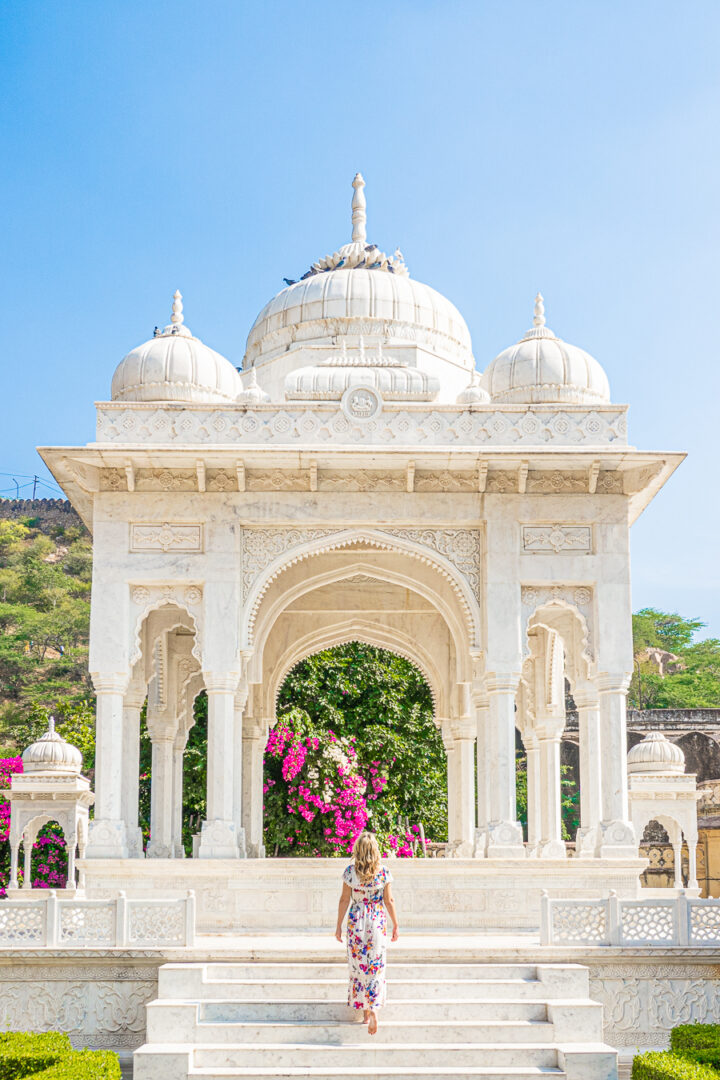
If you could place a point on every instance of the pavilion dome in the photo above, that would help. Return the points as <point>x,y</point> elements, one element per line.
<point>543,368</point>
<point>51,753</point>
<point>655,754</point>
<point>361,299</point>
<point>175,366</point>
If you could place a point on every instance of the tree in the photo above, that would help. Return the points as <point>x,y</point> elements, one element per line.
<point>694,681</point>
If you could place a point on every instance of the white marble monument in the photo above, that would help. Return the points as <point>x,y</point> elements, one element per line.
<point>361,480</point>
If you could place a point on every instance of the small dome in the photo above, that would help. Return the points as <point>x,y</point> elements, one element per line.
<point>51,753</point>
<point>175,366</point>
<point>474,393</point>
<point>656,754</point>
<point>542,368</point>
<point>253,394</point>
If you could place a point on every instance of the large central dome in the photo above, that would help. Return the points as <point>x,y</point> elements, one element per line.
<point>354,314</point>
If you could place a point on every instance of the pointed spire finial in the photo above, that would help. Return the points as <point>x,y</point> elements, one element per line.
<point>359,217</point>
<point>177,318</point>
<point>253,379</point>
<point>539,317</point>
<point>51,724</point>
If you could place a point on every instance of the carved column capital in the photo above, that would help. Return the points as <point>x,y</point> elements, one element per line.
<point>221,682</point>
<point>613,682</point>
<point>502,682</point>
<point>109,682</point>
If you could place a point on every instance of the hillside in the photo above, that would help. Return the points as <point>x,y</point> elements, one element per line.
<point>45,576</point>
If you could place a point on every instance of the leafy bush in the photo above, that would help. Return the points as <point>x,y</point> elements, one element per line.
<point>666,1065</point>
<point>84,1065</point>
<point>697,1042</point>
<point>50,1055</point>
<point>27,1053</point>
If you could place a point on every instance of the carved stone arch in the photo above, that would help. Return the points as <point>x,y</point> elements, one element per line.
<point>456,630</point>
<point>567,618</point>
<point>369,633</point>
<point>431,546</point>
<point>146,598</point>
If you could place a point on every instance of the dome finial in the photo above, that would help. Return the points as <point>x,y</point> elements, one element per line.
<point>359,217</point>
<point>177,318</point>
<point>539,316</point>
<point>51,724</point>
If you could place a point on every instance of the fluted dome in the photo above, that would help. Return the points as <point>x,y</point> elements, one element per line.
<point>51,753</point>
<point>356,297</point>
<point>656,754</point>
<point>175,366</point>
<point>474,393</point>
<point>542,368</point>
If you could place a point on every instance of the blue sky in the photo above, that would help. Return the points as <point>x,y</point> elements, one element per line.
<point>507,147</point>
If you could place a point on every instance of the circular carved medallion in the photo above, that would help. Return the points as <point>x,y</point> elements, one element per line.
<point>361,403</point>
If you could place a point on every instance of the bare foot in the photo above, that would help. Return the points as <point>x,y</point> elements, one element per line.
<point>366,1015</point>
<point>373,1023</point>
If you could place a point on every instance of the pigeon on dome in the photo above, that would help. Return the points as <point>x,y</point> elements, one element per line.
<point>253,393</point>
<point>358,254</point>
<point>174,365</point>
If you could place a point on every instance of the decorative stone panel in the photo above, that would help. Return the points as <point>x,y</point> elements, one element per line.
<point>557,539</point>
<point>579,597</point>
<point>168,536</point>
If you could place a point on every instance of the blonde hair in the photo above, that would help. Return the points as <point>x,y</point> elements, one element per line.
<point>367,856</point>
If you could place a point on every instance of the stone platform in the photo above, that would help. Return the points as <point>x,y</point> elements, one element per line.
<point>99,996</point>
<point>255,895</point>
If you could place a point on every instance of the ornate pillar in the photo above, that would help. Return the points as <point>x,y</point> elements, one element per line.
<point>461,770</point>
<point>179,744</point>
<point>132,707</point>
<point>240,702</point>
<point>218,839</point>
<point>160,845</point>
<point>14,854</point>
<point>551,842</point>
<point>253,753</point>
<point>107,837</point>
<point>588,835</point>
<point>71,842</point>
<point>504,838</point>
<point>28,841</point>
<point>617,834</point>
<point>534,806</point>
<point>692,840</point>
<point>484,767</point>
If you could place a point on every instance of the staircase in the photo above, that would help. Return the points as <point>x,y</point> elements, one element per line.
<point>221,1021</point>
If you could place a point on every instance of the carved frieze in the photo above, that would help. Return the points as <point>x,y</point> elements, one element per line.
<point>277,480</point>
<point>168,536</point>
<point>557,482</point>
<point>501,482</point>
<point>360,480</point>
<point>536,426</point>
<point>610,483</point>
<point>554,539</point>
<point>166,480</point>
<point>445,480</point>
<point>220,480</point>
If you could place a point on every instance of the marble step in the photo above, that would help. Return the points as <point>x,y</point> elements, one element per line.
<point>427,988</point>
<point>263,969</point>
<point>317,1011</point>
<point>431,1072</point>
<point>340,1032</point>
<point>376,1055</point>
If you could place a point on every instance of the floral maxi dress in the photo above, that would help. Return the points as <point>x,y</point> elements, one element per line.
<point>367,941</point>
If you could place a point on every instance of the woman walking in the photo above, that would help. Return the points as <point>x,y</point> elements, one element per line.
<point>366,890</point>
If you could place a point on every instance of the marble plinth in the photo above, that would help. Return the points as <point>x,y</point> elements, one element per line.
<point>255,895</point>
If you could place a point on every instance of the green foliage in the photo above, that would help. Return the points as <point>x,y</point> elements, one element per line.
<point>45,575</point>
<point>569,798</point>
<point>698,1042</point>
<point>696,683</point>
<point>27,1054</point>
<point>667,1065</point>
<point>84,1065</point>
<point>384,702</point>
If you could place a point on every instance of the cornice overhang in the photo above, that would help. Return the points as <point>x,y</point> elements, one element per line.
<point>637,475</point>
